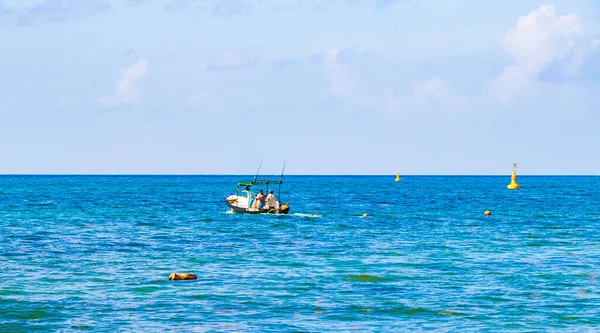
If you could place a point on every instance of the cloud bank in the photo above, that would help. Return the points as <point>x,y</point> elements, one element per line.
<point>228,8</point>
<point>540,41</point>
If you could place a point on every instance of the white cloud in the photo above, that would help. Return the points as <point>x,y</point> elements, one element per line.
<point>513,80</point>
<point>436,91</point>
<point>580,55</point>
<point>391,101</point>
<point>433,88</point>
<point>541,40</point>
<point>342,81</point>
<point>54,11</point>
<point>127,90</point>
<point>230,7</point>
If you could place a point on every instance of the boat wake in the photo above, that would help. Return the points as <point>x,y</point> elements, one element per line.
<point>306,215</point>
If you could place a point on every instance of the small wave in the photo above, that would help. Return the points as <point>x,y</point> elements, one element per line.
<point>366,278</point>
<point>148,289</point>
<point>306,215</point>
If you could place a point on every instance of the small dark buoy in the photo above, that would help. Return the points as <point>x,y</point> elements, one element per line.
<point>182,276</point>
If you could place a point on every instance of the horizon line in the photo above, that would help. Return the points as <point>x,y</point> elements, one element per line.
<point>294,175</point>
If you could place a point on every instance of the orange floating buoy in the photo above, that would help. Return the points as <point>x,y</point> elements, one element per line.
<point>182,276</point>
<point>487,212</point>
<point>365,214</point>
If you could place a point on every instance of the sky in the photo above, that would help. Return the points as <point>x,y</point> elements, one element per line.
<point>423,87</point>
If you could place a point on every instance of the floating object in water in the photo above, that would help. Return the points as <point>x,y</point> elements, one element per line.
<point>398,176</point>
<point>182,276</point>
<point>365,214</point>
<point>487,212</point>
<point>513,179</point>
<point>513,182</point>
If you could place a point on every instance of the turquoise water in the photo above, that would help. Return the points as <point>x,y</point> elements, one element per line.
<point>94,253</point>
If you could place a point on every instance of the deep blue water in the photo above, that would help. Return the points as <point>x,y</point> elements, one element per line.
<point>93,253</point>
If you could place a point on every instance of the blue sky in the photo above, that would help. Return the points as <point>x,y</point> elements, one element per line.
<point>332,87</point>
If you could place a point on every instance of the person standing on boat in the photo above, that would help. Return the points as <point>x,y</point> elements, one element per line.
<point>271,200</point>
<point>260,199</point>
<point>249,195</point>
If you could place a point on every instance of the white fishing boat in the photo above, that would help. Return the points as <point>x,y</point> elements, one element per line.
<point>254,197</point>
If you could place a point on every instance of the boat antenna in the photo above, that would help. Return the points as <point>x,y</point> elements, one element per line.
<point>257,171</point>
<point>280,181</point>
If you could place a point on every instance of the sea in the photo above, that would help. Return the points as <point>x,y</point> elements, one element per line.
<point>354,254</point>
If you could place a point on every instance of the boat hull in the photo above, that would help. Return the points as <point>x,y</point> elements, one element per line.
<point>239,205</point>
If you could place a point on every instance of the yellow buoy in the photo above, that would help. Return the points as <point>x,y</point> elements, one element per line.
<point>398,177</point>
<point>365,214</point>
<point>513,182</point>
<point>487,212</point>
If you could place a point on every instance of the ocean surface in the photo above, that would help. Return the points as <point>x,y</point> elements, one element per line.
<point>93,253</point>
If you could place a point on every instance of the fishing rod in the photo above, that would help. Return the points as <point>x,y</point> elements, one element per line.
<point>257,171</point>
<point>280,181</point>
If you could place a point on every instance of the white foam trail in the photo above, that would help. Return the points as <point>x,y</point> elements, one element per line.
<point>306,215</point>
